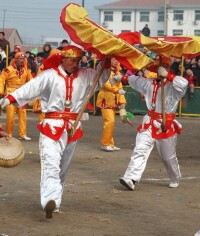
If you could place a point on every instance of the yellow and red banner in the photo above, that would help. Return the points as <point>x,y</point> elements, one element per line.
<point>98,40</point>
<point>175,46</point>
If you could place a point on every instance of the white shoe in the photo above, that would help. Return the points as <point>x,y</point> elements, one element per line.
<point>128,183</point>
<point>25,138</point>
<point>173,184</point>
<point>107,148</point>
<point>57,210</point>
<point>116,148</point>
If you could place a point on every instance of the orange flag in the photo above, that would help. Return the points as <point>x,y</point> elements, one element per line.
<point>98,40</point>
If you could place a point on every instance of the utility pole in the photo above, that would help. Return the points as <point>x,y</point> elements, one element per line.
<point>165,18</point>
<point>83,3</point>
<point>4,13</point>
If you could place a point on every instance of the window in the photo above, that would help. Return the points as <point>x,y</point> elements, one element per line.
<point>53,44</point>
<point>125,31</point>
<point>108,16</point>
<point>126,16</point>
<point>197,32</point>
<point>160,33</point>
<point>177,32</point>
<point>144,16</point>
<point>197,15</point>
<point>161,16</point>
<point>178,15</point>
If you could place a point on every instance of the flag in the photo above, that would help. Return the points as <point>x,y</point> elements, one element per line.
<point>175,46</point>
<point>34,51</point>
<point>98,40</point>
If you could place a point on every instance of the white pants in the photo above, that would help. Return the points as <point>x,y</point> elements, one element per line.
<point>55,159</point>
<point>142,150</point>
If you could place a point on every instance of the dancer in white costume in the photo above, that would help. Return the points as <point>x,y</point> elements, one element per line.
<point>151,130</point>
<point>62,90</point>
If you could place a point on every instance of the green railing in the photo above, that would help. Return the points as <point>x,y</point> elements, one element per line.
<point>187,107</point>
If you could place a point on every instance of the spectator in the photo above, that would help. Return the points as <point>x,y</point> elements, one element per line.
<point>31,62</point>
<point>4,43</point>
<point>192,81</point>
<point>196,70</point>
<point>187,63</point>
<point>16,50</point>
<point>83,62</point>
<point>46,49</point>
<point>2,53</point>
<point>146,31</point>
<point>175,69</point>
<point>2,64</point>
<point>64,43</point>
<point>39,59</point>
<point>93,61</point>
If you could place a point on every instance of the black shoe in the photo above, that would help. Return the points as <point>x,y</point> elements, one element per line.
<point>49,208</point>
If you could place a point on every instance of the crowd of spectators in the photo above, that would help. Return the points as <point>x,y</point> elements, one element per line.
<point>189,68</point>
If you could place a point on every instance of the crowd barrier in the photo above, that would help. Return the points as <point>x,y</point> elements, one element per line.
<point>188,106</point>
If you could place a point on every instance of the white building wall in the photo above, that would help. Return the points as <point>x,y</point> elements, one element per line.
<point>117,26</point>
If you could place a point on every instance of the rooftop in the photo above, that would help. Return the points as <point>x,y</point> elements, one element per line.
<point>135,4</point>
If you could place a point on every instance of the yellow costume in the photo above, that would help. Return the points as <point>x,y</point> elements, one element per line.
<point>109,100</point>
<point>151,74</point>
<point>37,103</point>
<point>12,78</point>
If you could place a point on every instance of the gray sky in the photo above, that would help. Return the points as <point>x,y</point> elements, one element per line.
<point>41,18</point>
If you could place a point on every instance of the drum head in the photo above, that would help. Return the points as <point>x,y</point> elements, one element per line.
<point>11,152</point>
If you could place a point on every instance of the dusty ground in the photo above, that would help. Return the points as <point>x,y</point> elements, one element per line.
<point>94,203</point>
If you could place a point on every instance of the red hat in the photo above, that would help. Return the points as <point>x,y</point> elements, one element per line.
<point>17,47</point>
<point>53,60</point>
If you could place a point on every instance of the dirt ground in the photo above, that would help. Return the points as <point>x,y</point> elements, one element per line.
<point>94,203</point>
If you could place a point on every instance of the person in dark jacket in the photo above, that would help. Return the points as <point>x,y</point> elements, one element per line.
<point>146,31</point>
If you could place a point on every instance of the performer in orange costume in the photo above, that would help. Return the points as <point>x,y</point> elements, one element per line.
<point>11,78</point>
<point>109,99</point>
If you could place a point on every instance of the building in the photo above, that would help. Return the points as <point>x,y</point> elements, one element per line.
<point>164,17</point>
<point>55,42</point>
<point>13,37</point>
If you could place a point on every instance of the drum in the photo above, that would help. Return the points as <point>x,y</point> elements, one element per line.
<point>11,152</point>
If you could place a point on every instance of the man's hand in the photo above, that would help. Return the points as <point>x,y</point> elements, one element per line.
<point>162,72</point>
<point>189,72</point>
<point>115,79</point>
<point>121,92</point>
<point>4,102</point>
<point>4,134</point>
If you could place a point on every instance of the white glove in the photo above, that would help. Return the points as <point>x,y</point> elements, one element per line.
<point>121,92</point>
<point>162,72</point>
<point>4,102</point>
<point>115,79</point>
<point>122,113</point>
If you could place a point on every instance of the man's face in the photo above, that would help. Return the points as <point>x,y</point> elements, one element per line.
<point>20,61</point>
<point>1,37</point>
<point>64,44</point>
<point>114,62</point>
<point>70,64</point>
